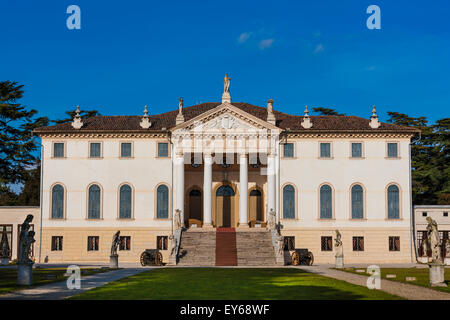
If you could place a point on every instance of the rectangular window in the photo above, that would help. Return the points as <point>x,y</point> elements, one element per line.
<point>161,242</point>
<point>356,150</point>
<point>326,243</point>
<point>58,150</point>
<point>95,150</point>
<point>394,243</point>
<point>6,240</point>
<point>57,243</point>
<point>125,149</point>
<point>163,149</point>
<point>358,243</point>
<point>392,150</point>
<point>445,214</point>
<point>325,150</point>
<point>125,243</point>
<point>424,214</point>
<point>289,243</point>
<point>92,243</point>
<point>288,150</point>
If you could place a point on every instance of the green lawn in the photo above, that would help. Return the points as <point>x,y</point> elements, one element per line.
<point>422,275</point>
<point>230,284</point>
<point>8,277</point>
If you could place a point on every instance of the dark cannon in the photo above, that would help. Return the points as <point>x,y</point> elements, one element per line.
<point>302,256</point>
<point>151,257</point>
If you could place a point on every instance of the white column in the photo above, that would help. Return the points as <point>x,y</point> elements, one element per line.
<point>271,191</point>
<point>243,190</point>
<point>207,190</point>
<point>179,173</point>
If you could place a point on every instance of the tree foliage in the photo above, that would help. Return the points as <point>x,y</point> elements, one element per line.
<point>430,159</point>
<point>327,112</point>
<point>84,114</point>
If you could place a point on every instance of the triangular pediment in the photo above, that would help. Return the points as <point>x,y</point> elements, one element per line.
<point>225,117</point>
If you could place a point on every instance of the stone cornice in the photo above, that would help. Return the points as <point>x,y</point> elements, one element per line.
<point>108,135</point>
<point>348,135</point>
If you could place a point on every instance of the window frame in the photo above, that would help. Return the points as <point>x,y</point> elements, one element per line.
<point>165,243</point>
<point>127,243</point>
<point>12,237</point>
<point>155,209</point>
<point>131,151</point>
<point>332,202</point>
<point>400,216</point>
<point>351,202</point>
<point>322,238</point>
<point>96,246</point>
<point>64,150</point>
<point>101,149</point>
<point>51,201</point>
<point>358,247</point>
<point>295,201</point>
<point>101,201</point>
<point>320,150</point>
<point>351,150</point>
<point>393,248</point>
<point>168,149</point>
<point>387,150</point>
<point>132,201</point>
<point>293,150</point>
<point>52,247</point>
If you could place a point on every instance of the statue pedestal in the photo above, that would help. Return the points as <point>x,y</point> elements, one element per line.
<point>24,274</point>
<point>4,261</point>
<point>437,275</point>
<point>172,260</point>
<point>422,259</point>
<point>226,97</point>
<point>114,261</point>
<point>339,262</point>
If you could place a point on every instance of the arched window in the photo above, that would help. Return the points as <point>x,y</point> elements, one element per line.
<point>58,202</point>
<point>357,202</point>
<point>225,191</point>
<point>94,202</point>
<point>393,198</point>
<point>255,193</point>
<point>162,202</point>
<point>125,202</point>
<point>288,202</point>
<point>326,202</point>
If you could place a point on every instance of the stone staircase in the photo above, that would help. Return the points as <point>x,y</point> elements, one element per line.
<point>226,248</point>
<point>255,249</point>
<point>197,249</point>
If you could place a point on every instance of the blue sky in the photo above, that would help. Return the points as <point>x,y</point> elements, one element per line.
<point>134,53</point>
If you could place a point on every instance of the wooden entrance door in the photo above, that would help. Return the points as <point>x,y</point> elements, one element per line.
<point>255,206</point>
<point>225,216</point>
<point>195,207</point>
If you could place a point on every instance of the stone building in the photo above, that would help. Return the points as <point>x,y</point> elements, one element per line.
<point>226,165</point>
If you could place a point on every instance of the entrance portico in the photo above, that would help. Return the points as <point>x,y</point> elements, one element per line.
<point>228,153</point>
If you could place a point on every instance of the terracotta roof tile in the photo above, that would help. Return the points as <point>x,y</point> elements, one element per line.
<point>167,120</point>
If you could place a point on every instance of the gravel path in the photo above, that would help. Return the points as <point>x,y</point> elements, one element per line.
<point>59,290</point>
<point>407,291</point>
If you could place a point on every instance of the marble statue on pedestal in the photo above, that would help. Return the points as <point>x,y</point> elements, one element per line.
<point>338,245</point>
<point>447,248</point>
<point>177,224</point>
<point>271,221</point>
<point>173,245</point>
<point>26,239</point>
<point>280,243</point>
<point>115,243</point>
<point>226,83</point>
<point>424,246</point>
<point>434,241</point>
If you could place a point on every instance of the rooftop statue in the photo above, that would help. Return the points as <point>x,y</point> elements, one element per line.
<point>226,82</point>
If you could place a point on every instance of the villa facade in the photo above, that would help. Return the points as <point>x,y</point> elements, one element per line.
<point>226,165</point>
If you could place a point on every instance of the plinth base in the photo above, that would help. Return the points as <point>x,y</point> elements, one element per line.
<point>114,262</point>
<point>339,262</point>
<point>24,274</point>
<point>437,275</point>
